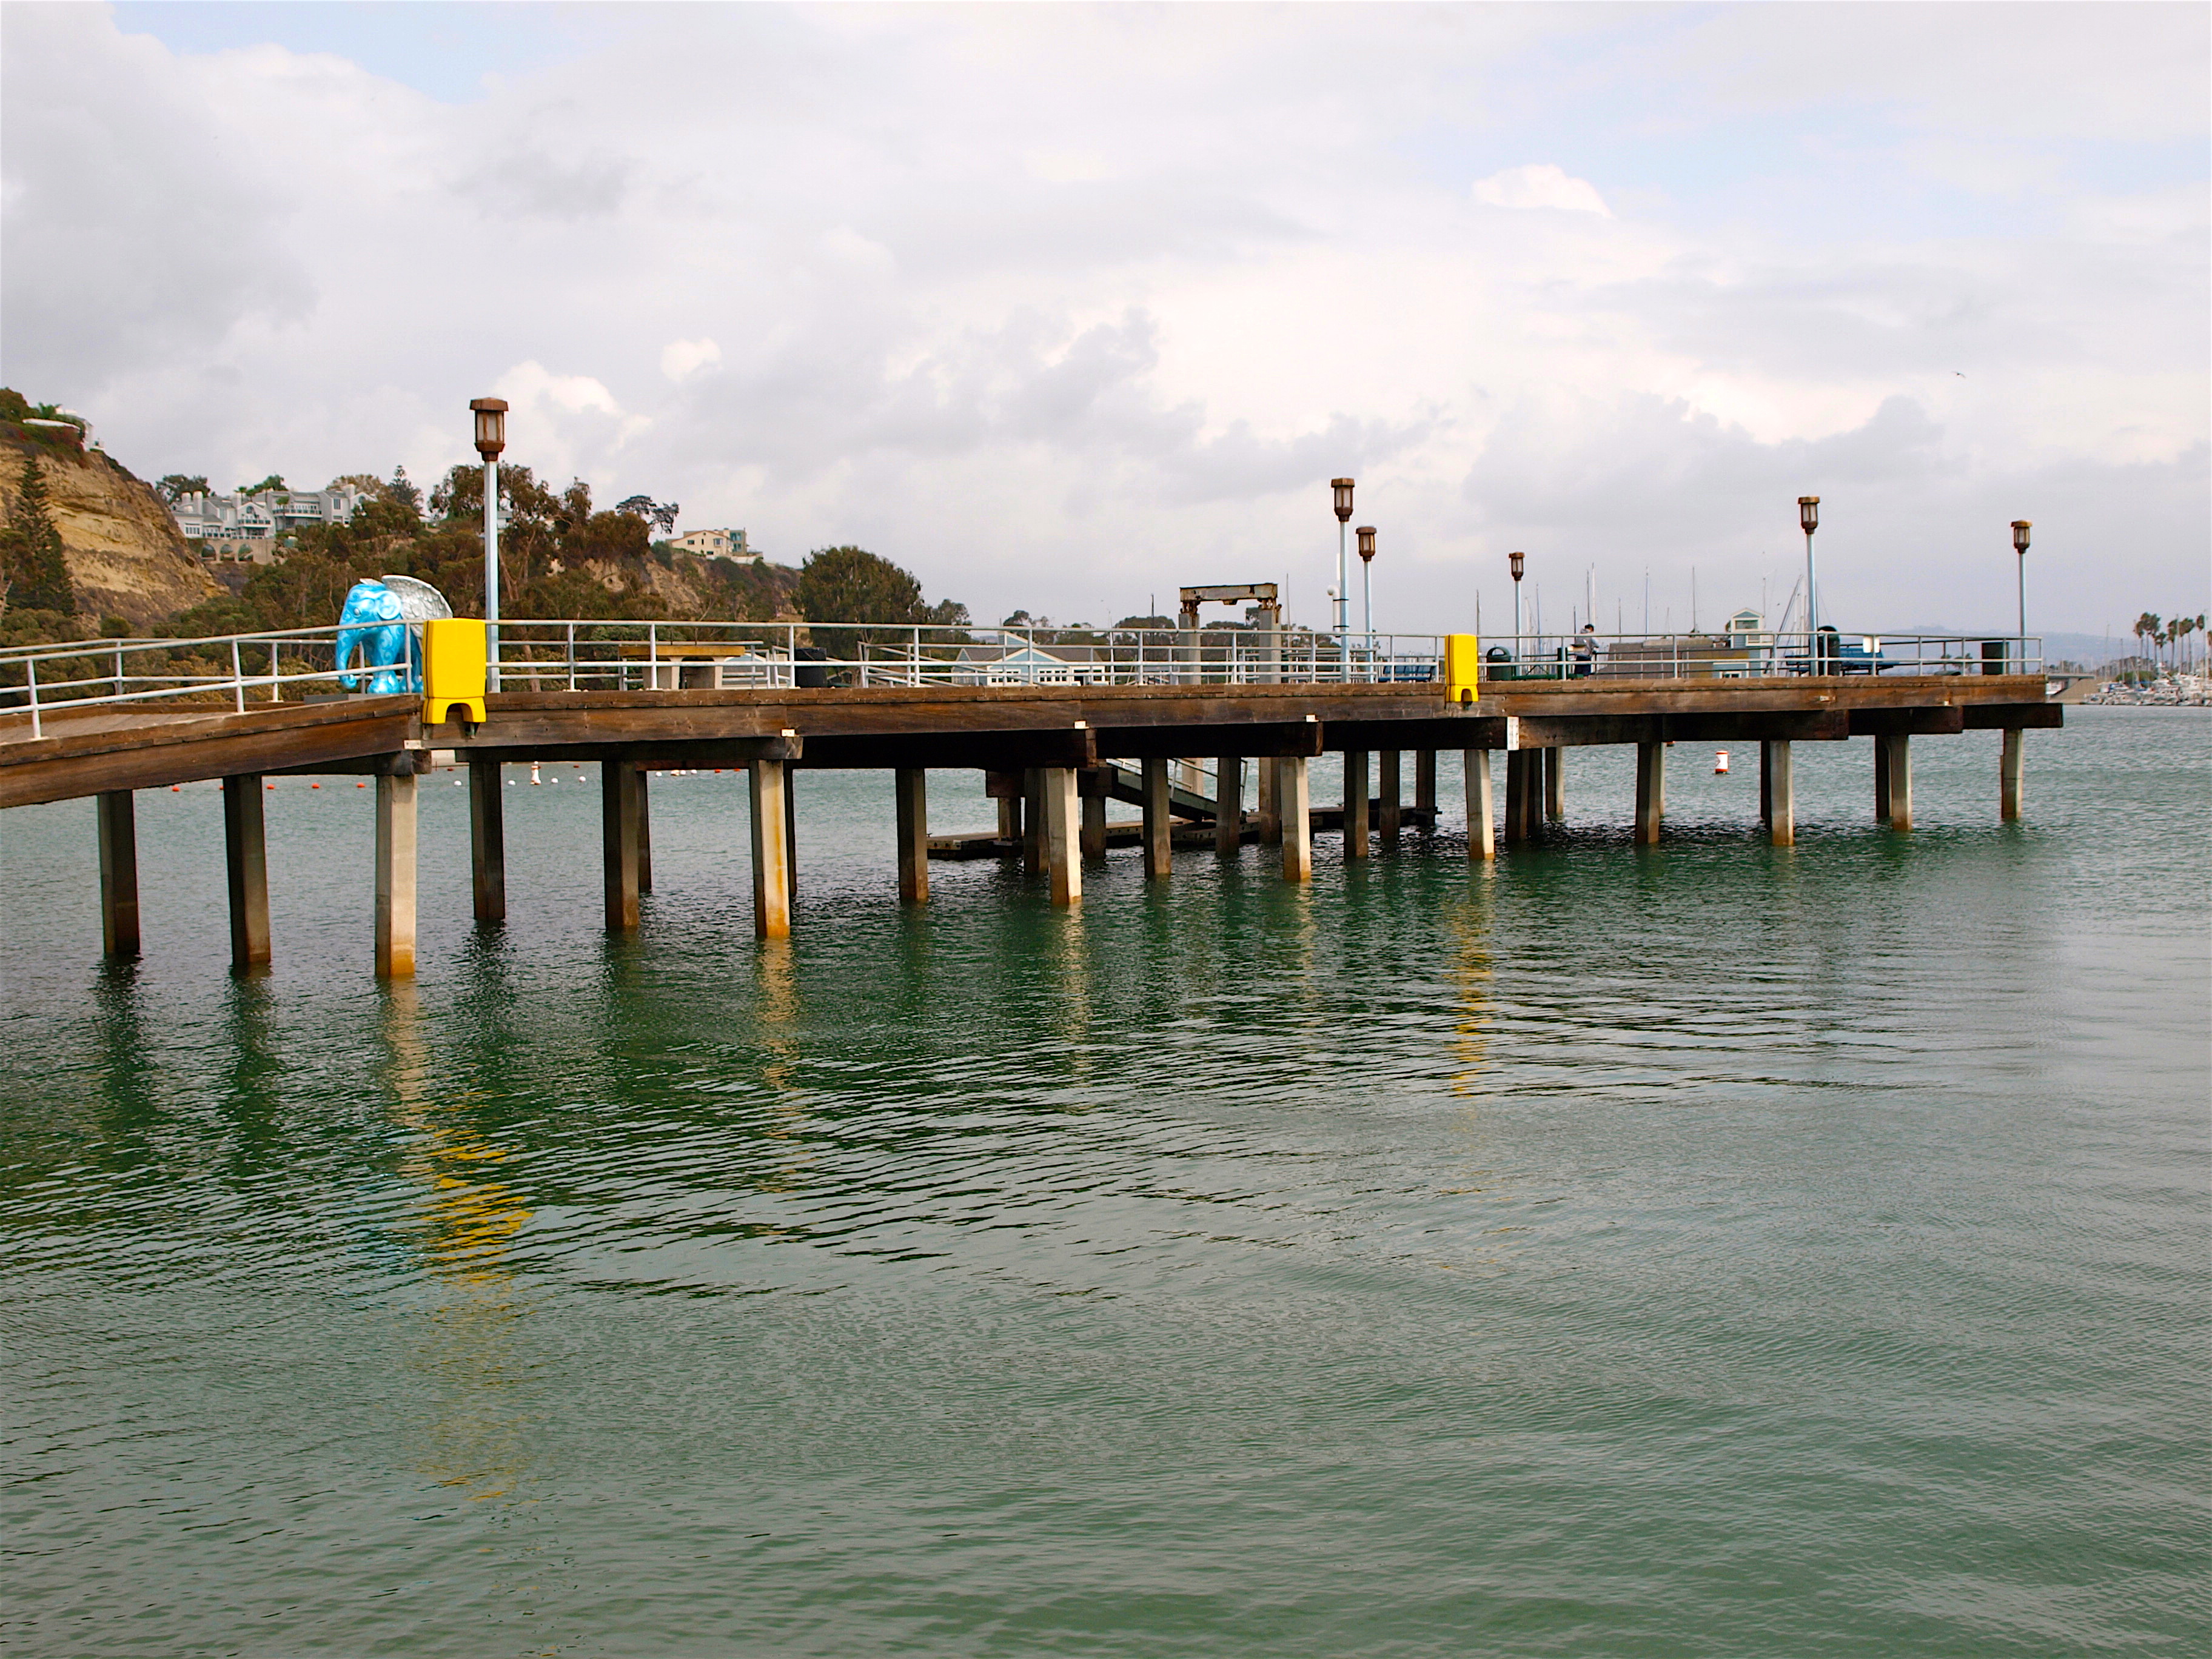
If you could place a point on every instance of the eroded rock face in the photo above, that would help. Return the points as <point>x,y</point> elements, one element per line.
<point>126,555</point>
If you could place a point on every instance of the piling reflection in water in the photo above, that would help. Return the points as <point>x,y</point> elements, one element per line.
<point>464,1231</point>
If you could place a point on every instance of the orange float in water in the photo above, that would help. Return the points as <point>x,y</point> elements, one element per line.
<point>1720,761</point>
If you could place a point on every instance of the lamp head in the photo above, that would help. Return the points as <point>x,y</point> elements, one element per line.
<point>1342,487</point>
<point>2020,535</point>
<point>1809,513</point>
<point>1366,534</point>
<point>1515,560</point>
<point>491,425</point>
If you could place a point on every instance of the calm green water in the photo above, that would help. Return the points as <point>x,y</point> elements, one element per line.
<point>1704,1250</point>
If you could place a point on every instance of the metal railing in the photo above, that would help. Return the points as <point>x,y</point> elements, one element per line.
<point>590,655</point>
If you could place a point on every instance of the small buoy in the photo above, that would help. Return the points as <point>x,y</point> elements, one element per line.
<point>178,788</point>
<point>1720,761</point>
<point>318,785</point>
<point>361,785</point>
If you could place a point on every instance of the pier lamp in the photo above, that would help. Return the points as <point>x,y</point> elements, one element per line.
<point>1515,561</point>
<point>2020,529</point>
<point>491,438</point>
<point>1341,488</point>
<point>1808,519</point>
<point>1366,535</point>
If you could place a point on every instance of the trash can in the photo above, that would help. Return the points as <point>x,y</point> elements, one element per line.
<point>807,661</point>
<point>1995,655</point>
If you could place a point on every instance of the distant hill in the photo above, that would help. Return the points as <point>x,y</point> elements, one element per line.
<point>126,556</point>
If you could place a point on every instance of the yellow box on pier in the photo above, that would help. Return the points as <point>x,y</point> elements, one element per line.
<point>1462,668</point>
<point>454,669</point>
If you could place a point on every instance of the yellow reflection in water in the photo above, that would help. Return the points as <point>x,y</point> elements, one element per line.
<point>469,1221</point>
<point>1473,1009</point>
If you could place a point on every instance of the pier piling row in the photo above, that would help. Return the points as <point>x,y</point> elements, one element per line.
<point>1054,758</point>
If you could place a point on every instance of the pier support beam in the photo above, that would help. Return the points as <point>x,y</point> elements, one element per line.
<point>1356,845</point>
<point>1651,792</point>
<point>1271,818</point>
<point>2012,773</point>
<point>910,784</point>
<point>771,827</point>
<point>1425,779</point>
<point>1778,791</point>
<point>1294,805</point>
<point>1094,814</point>
<point>1520,764</point>
<point>1157,825</point>
<point>1033,827</point>
<point>487,842</point>
<point>1062,857</point>
<point>1387,792</point>
<point>1481,829</point>
<point>245,862</point>
<point>1010,819</point>
<point>644,831</point>
<point>395,877</point>
<point>1882,780</point>
<point>1899,749</point>
<point>619,801</point>
<point>790,836</point>
<point>119,874</point>
<point>1228,803</point>
<point>1555,785</point>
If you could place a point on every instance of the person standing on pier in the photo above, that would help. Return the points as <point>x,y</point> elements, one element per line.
<point>1585,651</point>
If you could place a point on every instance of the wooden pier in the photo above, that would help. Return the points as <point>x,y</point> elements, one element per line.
<point>1053,757</point>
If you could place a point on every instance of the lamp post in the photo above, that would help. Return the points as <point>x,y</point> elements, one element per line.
<point>491,438</point>
<point>1516,560</point>
<point>1808,518</point>
<point>2019,528</point>
<point>1366,534</point>
<point>1342,489</point>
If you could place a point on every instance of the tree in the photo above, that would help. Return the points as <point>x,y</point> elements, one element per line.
<point>177,485</point>
<point>851,584</point>
<point>274,481</point>
<point>2146,625</point>
<point>31,555</point>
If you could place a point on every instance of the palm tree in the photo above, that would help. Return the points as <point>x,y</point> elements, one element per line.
<point>2147,626</point>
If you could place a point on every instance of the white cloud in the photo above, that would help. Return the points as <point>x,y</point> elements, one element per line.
<point>682,358</point>
<point>1542,185</point>
<point>1061,306</point>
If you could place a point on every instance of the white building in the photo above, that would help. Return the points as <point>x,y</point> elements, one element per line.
<point>234,526</point>
<point>717,544</point>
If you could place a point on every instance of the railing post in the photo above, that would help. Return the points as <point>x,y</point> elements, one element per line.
<point>31,680</point>
<point>572,656</point>
<point>237,677</point>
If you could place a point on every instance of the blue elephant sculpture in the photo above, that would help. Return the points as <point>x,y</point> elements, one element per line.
<point>375,623</point>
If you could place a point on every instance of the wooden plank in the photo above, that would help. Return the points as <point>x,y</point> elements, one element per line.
<point>117,821</point>
<point>1424,736</point>
<point>26,780</point>
<point>975,752</point>
<point>1907,722</point>
<point>1174,742</point>
<point>734,753</point>
<point>2015,716</point>
<point>245,868</point>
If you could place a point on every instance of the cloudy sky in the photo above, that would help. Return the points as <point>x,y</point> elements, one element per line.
<point>1062,307</point>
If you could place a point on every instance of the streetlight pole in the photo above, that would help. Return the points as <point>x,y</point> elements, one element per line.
<point>1341,488</point>
<point>1515,561</point>
<point>491,438</point>
<point>1808,518</point>
<point>1366,534</point>
<point>2019,528</point>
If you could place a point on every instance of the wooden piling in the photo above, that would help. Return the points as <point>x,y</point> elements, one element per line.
<point>1228,803</point>
<point>1424,782</point>
<point>487,842</point>
<point>245,861</point>
<point>1158,824</point>
<point>1094,825</point>
<point>1518,790</point>
<point>618,817</point>
<point>1555,785</point>
<point>910,785</point>
<point>1392,811</point>
<point>1063,858</point>
<point>1882,780</point>
<point>1777,787</point>
<point>1481,829</point>
<point>1271,820</point>
<point>644,831</point>
<point>2012,773</point>
<point>1356,844</point>
<point>1651,792</point>
<point>395,876</point>
<point>1900,779</point>
<point>116,812</point>
<point>790,837</point>
<point>1033,828</point>
<point>1293,801</point>
<point>771,830</point>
